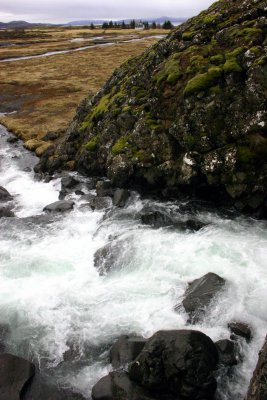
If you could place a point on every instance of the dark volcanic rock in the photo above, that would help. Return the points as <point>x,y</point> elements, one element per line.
<point>100,203</point>
<point>6,212</point>
<point>240,329</point>
<point>228,353</point>
<point>104,188</point>
<point>15,372</point>
<point>59,206</point>
<point>4,194</point>
<point>118,386</point>
<point>41,388</point>
<point>120,197</point>
<point>68,182</point>
<point>125,350</point>
<point>200,293</point>
<point>258,385</point>
<point>179,363</point>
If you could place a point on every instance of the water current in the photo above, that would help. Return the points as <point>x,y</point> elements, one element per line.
<point>64,315</point>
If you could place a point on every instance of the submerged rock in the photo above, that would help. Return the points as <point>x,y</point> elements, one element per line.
<point>120,197</point>
<point>179,363</point>
<point>200,293</point>
<point>106,258</point>
<point>126,349</point>
<point>258,385</point>
<point>59,206</point>
<point>156,219</point>
<point>15,373</point>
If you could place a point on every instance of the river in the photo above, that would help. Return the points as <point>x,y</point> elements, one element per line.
<point>55,301</point>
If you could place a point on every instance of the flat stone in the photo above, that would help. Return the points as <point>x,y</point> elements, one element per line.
<point>60,206</point>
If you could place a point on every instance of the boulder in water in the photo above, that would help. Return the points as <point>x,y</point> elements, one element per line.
<point>120,197</point>
<point>100,203</point>
<point>6,212</point>
<point>4,194</point>
<point>105,258</point>
<point>258,385</point>
<point>59,206</point>
<point>15,373</point>
<point>200,293</point>
<point>156,219</point>
<point>240,329</point>
<point>126,349</point>
<point>104,188</point>
<point>68,182</point>
<point>178,363</point>
<point>228,353</point>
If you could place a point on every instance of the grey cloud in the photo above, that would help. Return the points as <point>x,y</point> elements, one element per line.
<point>65,10</point>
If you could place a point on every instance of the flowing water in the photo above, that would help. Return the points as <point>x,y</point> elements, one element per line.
<point>64,315</point>
<point>57,52</point>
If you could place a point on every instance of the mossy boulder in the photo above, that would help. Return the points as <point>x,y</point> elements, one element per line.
<point>186,115</point>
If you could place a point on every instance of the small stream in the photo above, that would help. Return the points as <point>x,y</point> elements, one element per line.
<point>53,53</point>
<point>57,304</point>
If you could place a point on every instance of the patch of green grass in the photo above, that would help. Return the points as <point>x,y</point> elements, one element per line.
<point>203,81</point>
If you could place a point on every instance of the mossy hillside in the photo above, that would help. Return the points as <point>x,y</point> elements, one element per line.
<point>201,90</point>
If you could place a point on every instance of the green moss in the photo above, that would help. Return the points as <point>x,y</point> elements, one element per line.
<point>170,73</point>
<point>188,35</point>
<point>91,146</point>
<point>262,60</point>
<point>115,111</point>
<point>215,89</point>
<point>127,109</point>
<point>217,59</point>
<point>209,19</point>
<point>99,109</point>
<point>255,50</point>
<point>196,60</point>
<point>246,34</point>
<point>244,155</point>
<point>85,125</point>
<point>120,145</point>
<point>231,64</point>
<point>141,93</point>
<point>203,81</point>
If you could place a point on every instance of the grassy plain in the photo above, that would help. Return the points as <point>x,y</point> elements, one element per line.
<point>45,91</point>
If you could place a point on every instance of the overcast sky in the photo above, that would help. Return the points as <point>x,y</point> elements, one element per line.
<point>61,11</point>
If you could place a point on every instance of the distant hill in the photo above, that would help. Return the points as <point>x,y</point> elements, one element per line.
<point>159,20</point>
<point>20,24</point>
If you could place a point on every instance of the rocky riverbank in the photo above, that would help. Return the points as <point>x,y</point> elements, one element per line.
<point>186,116</point>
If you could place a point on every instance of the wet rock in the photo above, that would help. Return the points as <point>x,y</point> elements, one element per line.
<point>15,373</point>
<point>258,385</point>
<point>41,388</point>
<point>12,139</point>
<point>4,194</point>
<point>118,386</point>
<point>228,353</point>
<point>59,206</point>
<point>4,331</point>
<point>126,349</point>
<point>104,188</point>
<point>106,258</point>
<point>68,182</point>
<point>6,212</point>
<point>100,203</point>
<point>120,197</point>
<point>178,363</point>
<point>156,219</point>
<point>200,293</point>
<point>240,329</point>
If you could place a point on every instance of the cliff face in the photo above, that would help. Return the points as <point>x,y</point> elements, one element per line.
<point>187,115</point>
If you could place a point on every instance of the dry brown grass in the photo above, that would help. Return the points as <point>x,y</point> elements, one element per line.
<point>46,90</point>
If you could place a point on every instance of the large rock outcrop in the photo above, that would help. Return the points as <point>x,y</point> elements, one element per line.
<point>187,115</point>
<point>258,385</point>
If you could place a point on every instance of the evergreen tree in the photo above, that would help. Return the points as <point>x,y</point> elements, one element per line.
<point>123,26</point>
<point>92,26</point>
<point>105,25</point>
<point>167,25</point>
<point>132,24</point>
<point>154,26</point>
<point>110,25</point>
